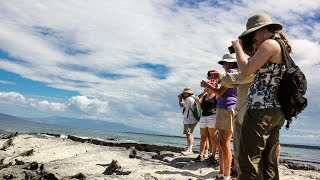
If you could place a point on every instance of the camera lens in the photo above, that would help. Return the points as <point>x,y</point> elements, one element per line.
<point>231,50</point>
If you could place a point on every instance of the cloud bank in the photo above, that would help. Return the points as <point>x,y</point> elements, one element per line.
<point>128,61</point>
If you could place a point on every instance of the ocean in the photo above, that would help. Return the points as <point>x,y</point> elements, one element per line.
<point>304,154</point>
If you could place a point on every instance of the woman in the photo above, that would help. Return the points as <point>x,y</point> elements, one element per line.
<point>264,117</point>
<point>236,80</point>
<point>207,101</point>
<point>225,117</point>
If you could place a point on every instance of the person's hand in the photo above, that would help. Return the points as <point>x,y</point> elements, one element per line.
<point>179,96</point>
<point>237,44</point>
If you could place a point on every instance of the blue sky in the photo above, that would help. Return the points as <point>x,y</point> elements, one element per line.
<point>126,62</point>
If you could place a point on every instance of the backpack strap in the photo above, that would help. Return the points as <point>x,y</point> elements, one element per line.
<point>286,58</point>
<point>190,106</point>
<point>188,112</point>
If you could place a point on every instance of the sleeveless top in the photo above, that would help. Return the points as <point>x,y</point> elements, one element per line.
<point>264,88</point>
<point>208,106</point>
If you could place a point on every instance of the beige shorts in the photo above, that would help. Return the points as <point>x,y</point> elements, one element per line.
<point>225,119</point>
<point>188,128</point>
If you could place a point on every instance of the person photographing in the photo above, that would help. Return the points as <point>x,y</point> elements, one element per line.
<point>264,118</point>
<point>186,101</point>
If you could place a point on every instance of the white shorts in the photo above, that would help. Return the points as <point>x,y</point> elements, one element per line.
<point>208,121</point>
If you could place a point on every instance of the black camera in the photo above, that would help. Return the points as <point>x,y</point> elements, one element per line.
<point>247,44</point>
<point>231,49</point>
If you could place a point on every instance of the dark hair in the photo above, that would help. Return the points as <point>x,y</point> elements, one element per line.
<point>247,43</point>
<point>208,74</point>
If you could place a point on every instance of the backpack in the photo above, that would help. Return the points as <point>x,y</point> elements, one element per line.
<point>292,88</point>
<point>196,110</point>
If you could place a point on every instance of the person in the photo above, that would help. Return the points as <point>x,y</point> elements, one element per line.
<point>236,80</point>
<point>207,101</point>
<point>263,119</point>
<point>225,117</point>
<point>186,101</point>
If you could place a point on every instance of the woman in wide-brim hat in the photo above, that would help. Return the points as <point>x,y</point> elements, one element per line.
<point>264,117</point>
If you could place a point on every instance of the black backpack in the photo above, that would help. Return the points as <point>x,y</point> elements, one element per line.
<point>293,86</point>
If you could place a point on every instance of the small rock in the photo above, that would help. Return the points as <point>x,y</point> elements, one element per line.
<point>79,176</point>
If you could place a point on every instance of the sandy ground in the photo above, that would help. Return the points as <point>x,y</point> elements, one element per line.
<point>66,158</point>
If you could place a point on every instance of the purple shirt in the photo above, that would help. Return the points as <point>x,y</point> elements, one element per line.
<point>229,98</point>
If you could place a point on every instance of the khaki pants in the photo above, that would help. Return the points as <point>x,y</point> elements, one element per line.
<point>258,144</point>
<point>236,137</point>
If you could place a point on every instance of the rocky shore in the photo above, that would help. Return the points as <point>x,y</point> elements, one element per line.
<point>52,156</point>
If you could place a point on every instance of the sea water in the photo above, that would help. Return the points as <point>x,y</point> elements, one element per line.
<point>307,155</point>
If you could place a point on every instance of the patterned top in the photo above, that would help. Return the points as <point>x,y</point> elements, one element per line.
<point>264,88</point>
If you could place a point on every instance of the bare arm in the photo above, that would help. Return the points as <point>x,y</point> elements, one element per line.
<point>269,49</point>
<point>198,101</point>
<point>200,96</point>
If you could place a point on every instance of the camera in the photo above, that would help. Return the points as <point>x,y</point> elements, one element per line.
<point>231,49</point>
<point>247,44</point>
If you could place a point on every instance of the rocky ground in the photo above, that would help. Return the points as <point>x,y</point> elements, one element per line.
<point>48,156</point>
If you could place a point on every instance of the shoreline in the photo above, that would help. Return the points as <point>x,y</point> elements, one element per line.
<point>67,156</point>
<point>294,164</point>
<point>282,144</point>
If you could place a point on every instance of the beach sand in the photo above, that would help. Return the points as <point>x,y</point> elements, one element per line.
<point>65,158</point>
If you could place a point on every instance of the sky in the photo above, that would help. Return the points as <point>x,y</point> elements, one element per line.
<point>126,61</point>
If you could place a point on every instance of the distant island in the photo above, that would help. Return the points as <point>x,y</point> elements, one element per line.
<point>77,123</point>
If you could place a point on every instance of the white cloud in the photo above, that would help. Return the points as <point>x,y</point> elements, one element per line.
<point>76,104</point>
<point>86,105</point>
<point>118,35</point>
<point>12,98</point>
<point>46,106</point>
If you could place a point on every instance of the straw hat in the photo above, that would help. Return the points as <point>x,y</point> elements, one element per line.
<point>258,21</point>
<point>187,90</point>
<point>228,58</point>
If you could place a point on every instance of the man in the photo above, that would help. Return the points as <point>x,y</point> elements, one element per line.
<point>186,101</point>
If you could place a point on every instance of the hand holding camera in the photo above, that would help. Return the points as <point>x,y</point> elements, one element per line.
<point>246,42</point>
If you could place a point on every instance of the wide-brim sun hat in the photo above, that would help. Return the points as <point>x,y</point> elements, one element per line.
<point>187,90</point>
<point>258,21</point>
<point>231,58</point>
